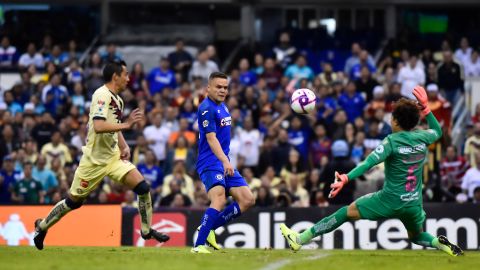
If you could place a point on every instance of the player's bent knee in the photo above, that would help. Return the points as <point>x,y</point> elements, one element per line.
<point>248,202</point>
<point>142,188</point>
<point>73,203</point>
<point>352,212</point>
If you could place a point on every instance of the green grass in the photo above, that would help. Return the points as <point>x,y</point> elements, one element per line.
<point>83,258</point>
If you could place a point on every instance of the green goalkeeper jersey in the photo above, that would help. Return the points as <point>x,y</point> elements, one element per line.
<point>404,154</point>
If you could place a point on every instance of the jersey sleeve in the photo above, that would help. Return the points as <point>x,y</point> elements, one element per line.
<point>100,104</point>
<point>434,131</point>
<point>380,154</point>
<point>206,120</point>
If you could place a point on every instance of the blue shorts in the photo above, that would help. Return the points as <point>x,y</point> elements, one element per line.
<point>211,178</point>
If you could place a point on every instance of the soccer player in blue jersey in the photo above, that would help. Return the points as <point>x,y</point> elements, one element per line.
<point>213,165</point>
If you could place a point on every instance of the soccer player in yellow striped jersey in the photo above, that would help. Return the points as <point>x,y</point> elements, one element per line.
<point>105,154</point>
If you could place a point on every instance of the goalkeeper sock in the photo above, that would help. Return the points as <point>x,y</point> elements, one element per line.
<point>230,212</point>
<point>145,211</point>
<point>427,240</point>
<point>57,212</point>
<point>324,226</point>
<point>209,218</point>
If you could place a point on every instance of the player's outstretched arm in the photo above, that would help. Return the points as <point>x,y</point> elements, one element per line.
<point>217,150</point>
<point>421,95</point>
<point>102,126</point>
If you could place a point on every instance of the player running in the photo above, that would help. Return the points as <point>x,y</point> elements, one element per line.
<point>404,153</point>
<point>213,165</point>
<point>105,154</point>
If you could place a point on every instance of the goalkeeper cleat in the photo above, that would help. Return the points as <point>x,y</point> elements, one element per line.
<point>39,235</point>
<point>291,237</point>
<point>211,239</point>
<point>449,248</point>
<point>160,237</point>
<point>200,249</point>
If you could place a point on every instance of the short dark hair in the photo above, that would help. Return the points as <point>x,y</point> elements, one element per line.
<point>406,113</point>
<point>113,67</point>
<point>217,74</point>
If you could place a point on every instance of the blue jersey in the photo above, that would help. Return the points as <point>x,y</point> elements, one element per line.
<point>212,117</point>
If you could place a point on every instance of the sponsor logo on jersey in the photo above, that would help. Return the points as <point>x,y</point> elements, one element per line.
<point>409,149</point>
<point>205,123</point>
<point>227,121</point>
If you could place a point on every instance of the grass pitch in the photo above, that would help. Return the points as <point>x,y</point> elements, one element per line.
<point>125,258</point>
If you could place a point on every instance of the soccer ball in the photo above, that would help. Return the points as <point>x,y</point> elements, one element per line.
<point>303,101</point>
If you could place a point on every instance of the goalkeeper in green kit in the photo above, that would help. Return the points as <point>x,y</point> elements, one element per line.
<point>403,152</point>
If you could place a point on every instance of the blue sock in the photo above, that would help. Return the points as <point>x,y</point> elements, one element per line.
<point>208,220</point>
<point>230,212</point>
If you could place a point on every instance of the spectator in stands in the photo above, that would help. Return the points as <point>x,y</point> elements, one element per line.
<point>301,197</point>
<point>180,176</point>
<point>152,173</point>
<point>8,54</point>
<point>299,136</point>
<point>463,54</point>
<point>31,57</point>
<point>253,182</point>
<point>299,70</point>
<point>180,151</point>
<point>9,141</point>
<point>373,137</point>
<point>140,150</point>
<point>56,149</point>
<point>320,148</point>
<point>28,190</point>
<point>180,59</point>
<point>130,201</point>
<point>326,104</point>
<point>355,72</point>
<point>8,177</point>
<point>55,96</point>
<point>340,163</point>
<point>157,136</point>
<point>472,145</point>
<point>411,75</point>
<point>352,102</point>
<point>471,179</point>
<point>336,130</point>
<point>137,83</point>
<point>175,197</point>
<point>202,67</point>
<point>44,129</point>
<point>450,77</point>
<point>74,73</point>
<point>93,74</point>
<point>366,84</point>
<point>472,65</point>
<point>354,59</point>
<point>258,61</point>
<point>264,197</point>
<point>161,77</point>
<point>247,77</point>
<point>110,54</point>
<point>378,102</point>
<point>284,52</point>
<point>271,76</point>
<point>46,177</point>
<point>13,106</point>
<point>327,76</point>
<point>250,140</point>
<point>212,54</point>
<point>358,148</point>
<point>56,56</point>
<point>295,166</point>
<point>431,75</point>
<point>183,131</point>
<point>452,170</point>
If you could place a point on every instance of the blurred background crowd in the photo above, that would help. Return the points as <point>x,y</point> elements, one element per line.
<point>288,160</point>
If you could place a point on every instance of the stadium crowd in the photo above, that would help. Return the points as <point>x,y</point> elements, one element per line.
<point>288,160</point>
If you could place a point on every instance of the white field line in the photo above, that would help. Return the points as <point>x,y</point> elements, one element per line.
<point>281,263</point>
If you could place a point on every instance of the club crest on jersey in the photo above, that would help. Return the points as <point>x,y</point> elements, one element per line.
<point>379,149</point>
<point>227,121</point>
<point>219,176</point>
<point>205,123</point>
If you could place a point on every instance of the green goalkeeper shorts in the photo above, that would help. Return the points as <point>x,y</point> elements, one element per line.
<point>371,207</point>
